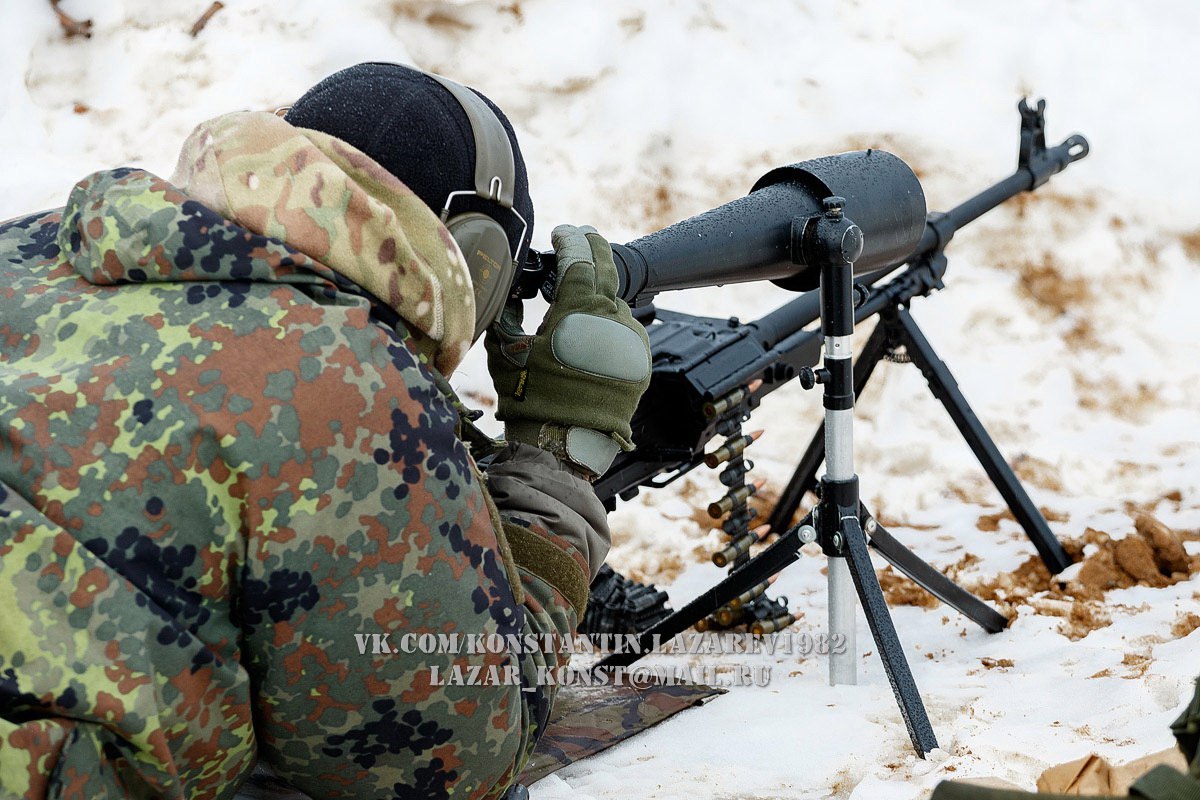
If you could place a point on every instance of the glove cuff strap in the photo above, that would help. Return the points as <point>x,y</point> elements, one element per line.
<point>587,450</point>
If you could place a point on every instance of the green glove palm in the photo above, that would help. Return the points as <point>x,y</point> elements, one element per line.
<point>572,387</point>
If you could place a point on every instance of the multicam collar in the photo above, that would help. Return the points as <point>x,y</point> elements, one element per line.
<point>331,202</point>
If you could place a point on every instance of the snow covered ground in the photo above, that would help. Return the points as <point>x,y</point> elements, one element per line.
<point>1068,319</point>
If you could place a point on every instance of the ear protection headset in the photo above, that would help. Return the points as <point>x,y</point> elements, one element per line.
<point>483,241</point>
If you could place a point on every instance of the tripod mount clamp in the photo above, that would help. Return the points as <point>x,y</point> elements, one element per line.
<point>810,377</point>
<point>827,238</point>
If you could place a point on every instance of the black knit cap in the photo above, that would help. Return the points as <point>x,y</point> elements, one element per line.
<point>416,130</point>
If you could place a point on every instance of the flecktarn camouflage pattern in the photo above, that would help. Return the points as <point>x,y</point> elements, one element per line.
<point>585,720</point>
<point>221,459</point>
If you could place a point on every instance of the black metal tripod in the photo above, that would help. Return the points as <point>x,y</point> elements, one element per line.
<point>839,524</point>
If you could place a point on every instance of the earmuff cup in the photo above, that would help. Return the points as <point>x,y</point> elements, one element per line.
<point>485,246</point>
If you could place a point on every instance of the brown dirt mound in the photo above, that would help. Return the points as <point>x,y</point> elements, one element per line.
<point>1126,402</point>
<point>1031,469</point>
<point>1153,556</point>
<point>1185,624</point>
<point>991,522</point>
<point>1191,244</point>
<point>1044,283</point>
<point>898,590</point>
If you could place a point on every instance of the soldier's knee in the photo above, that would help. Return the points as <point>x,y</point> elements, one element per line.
<point>498,746</point>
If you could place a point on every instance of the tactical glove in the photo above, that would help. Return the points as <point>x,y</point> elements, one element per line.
<point>572,387</point>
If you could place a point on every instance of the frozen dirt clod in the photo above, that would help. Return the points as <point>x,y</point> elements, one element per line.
<point>1151,555</point>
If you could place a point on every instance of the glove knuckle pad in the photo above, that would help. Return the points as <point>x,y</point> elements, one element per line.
<point>570,250</point>
<point>601,346</point>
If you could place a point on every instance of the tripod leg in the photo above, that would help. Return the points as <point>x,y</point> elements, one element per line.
<point>804,477</point>
<point>933,581</point>
<point>912,709</point>
<point>945,389</point>
<point>783,552</point>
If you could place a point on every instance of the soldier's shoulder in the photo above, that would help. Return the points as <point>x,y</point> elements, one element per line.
<point>30,237</point>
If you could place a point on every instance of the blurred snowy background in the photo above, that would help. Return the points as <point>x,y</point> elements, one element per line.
<point>1068,319</point>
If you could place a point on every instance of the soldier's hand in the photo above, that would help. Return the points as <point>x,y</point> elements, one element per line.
<point>572,387</point>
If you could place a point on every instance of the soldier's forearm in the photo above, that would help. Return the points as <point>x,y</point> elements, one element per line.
<point>533,486</point>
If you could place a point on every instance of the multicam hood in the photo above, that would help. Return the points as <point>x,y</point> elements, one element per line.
<point>337,206</point>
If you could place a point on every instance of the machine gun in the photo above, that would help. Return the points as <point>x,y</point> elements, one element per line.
<point>703,367</point>
<point>849,223</point>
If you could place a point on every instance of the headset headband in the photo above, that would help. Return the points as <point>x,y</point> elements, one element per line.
<point>495,170</point>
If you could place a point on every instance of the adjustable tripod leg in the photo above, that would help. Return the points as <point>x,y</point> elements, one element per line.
<point>933,581</point>
<point>783,552</point>
<point>912,709</point>
<point>945,389</point>
<point>804,477</point>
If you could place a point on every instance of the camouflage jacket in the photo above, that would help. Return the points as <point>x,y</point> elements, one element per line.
<point>231,482</point>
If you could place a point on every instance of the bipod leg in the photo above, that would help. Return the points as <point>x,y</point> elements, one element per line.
<point>883,630</point>
<point>778,555</point>
<point>930,579</point>
<point>945,389</point>
<point>804,478</point>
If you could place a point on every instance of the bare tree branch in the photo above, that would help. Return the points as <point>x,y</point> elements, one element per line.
<point>205,17</point>
<point>70,25</point>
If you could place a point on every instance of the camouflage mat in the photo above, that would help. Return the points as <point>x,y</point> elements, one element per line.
<point>589,719</point>
<point>586,720</point>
